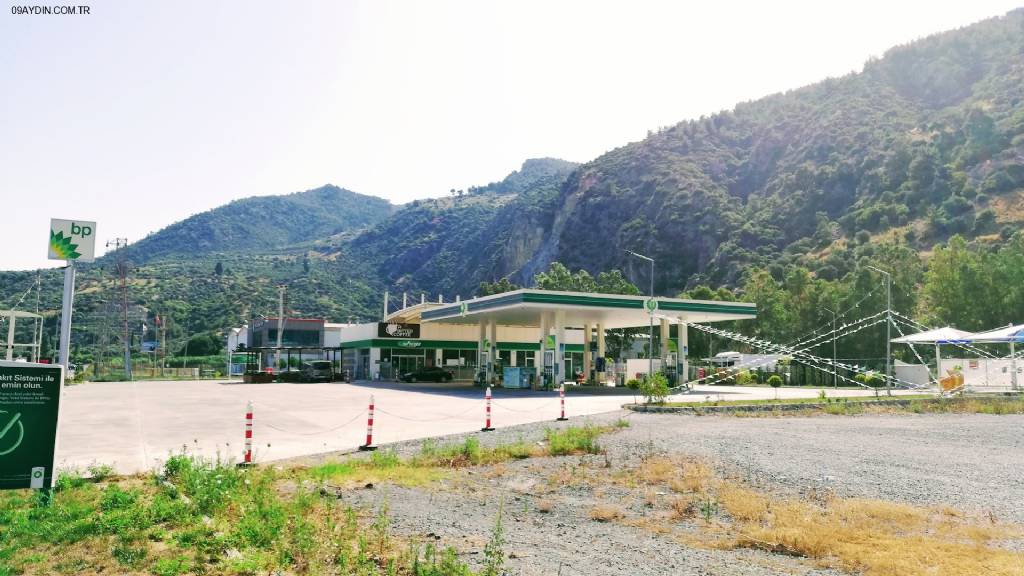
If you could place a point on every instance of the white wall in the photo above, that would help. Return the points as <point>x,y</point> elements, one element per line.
<point>993,373</point>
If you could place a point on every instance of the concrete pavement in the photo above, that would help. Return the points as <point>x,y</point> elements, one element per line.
<point>134,426</point>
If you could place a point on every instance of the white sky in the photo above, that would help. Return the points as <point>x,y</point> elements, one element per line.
<point>144,113</point>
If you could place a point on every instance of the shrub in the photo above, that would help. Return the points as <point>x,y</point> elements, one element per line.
<point>655,388</point>
<point>633,384</point>
<point>744,378</point>
<point>775,381</point>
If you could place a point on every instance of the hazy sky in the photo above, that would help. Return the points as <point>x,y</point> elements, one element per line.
<point>143,113</point>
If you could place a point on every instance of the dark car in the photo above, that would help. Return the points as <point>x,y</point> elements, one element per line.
<point>317,371</point>
<point>428,374</point>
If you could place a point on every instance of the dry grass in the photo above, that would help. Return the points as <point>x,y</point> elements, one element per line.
<point>545,505</point>
<point>872,537</point>
<point>683,508</point>
<point>868,537</point>
<point>607,512</point>
<point>657,470</point>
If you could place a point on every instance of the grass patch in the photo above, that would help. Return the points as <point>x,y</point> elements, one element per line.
<point>205,517</point>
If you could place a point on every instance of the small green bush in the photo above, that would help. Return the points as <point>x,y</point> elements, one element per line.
<point>633,384</point>
<point>655,388</point>
<point>744,378</point>
<point>775,381</point>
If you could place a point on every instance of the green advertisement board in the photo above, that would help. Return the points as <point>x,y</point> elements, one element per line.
<point>29,409</point>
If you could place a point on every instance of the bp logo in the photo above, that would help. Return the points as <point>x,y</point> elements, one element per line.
<point>651,305</point>
<point>463,308</point>
<point>72,240</point>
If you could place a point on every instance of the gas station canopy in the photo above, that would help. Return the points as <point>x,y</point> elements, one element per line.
<point>526,307</point>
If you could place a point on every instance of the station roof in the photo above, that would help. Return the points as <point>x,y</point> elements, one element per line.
<point>526,306</point>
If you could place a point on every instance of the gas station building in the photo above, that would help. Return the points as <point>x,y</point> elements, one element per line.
<point>553,334</point>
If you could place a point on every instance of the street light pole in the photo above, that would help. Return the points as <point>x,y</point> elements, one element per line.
<point>650,341</point>
<point>888,329</point>
<point>835,364</point>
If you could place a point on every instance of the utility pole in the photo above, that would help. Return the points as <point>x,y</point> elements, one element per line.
<point>888,329</point>
<point>120,246</point>
<point>835,363</point>
<point>280,325</point>
<point>650,342</point>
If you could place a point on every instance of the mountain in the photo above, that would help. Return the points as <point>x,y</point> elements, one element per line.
<point>449,245</point>
<point>265,223</point>
<point>924,143</point>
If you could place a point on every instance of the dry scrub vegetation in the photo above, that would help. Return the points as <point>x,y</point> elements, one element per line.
<point>699,508</point>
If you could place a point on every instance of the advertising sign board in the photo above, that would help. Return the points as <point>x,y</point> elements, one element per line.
<point>72,240</point>
<point>29,409</point>
<point>397,330</point>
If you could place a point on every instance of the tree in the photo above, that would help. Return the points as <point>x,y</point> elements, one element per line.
<point>218,269</point>
<point>499,287</point>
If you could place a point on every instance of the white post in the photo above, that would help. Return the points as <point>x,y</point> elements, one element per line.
<point>938,367</point>
<point>405,300</point>
<point>600,352</point>
<point>385,316</point>
<point>10,336</point>
<point>664,342</point>
<point>1013,365</point>
<point>65,315</point>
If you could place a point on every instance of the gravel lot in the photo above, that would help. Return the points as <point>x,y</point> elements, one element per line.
<point>969,462</point>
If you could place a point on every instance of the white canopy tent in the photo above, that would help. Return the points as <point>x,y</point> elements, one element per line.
<point>937,337</point>
<point>948,335</point>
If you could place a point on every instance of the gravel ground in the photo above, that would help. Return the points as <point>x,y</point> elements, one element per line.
<point>969,462</point>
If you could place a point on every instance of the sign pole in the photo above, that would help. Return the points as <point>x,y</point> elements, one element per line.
<point>65,315</point>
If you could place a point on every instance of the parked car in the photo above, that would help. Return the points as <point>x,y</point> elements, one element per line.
<point>317,371</point>
<point>428,374</point>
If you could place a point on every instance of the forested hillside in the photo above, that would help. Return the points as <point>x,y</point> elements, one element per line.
<point>264,223</point>
<point>926,142</point>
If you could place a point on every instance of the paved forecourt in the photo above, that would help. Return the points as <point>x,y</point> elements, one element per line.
<point>134,426</point>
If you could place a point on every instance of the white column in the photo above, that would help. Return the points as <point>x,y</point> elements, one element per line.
<point>600,350</point>
<point>65,316</point>
<point>559,348</point>
<point>492,357</point>
<point>538,359</point>
<point>664,342</point>
<point>683,346</point>
<point>480,365</point>
<point>586,352</point>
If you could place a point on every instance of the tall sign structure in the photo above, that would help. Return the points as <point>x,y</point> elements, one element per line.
<point>72,241</point>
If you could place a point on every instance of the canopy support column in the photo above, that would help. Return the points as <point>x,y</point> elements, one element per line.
<point>539,359</point>
<point>559,364</point>
<point>664,336</point>
<point>682,350</point>
<point>586,352</point>
<point>600,351</point>
<point>492,354</point>
<point>481,366</point>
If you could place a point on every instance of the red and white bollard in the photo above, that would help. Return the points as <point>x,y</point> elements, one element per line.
<point>561,396</point>
<point>369,429</point>
<point>248,435</point>
<point>487,423</point>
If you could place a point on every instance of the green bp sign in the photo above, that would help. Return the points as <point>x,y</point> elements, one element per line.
<point>29,409</point>
<point>651,305</point>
